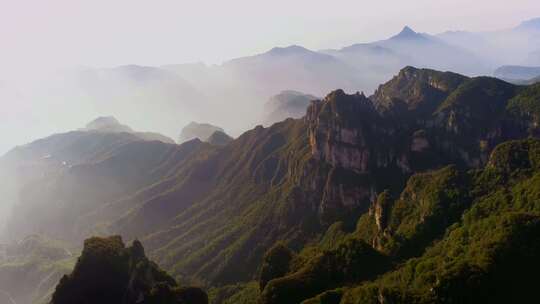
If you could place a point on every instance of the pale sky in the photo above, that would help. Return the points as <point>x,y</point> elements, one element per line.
<point>114,32</point>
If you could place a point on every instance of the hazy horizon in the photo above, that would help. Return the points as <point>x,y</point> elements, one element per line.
<point>105,34</point>
<point>38,37</point>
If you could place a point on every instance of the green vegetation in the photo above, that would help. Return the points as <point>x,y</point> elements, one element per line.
<point>351,261</point>
<point>429,204</point>
<point>108,272</point>
<point>417,90</point>
<point>275,263</point>
<point>465,237</point>
<point>526,103</point>
<point>241,293</point>
<point>491,254</point>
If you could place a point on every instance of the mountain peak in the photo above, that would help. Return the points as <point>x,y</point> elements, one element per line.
<point>219,138</point>
<point>107,124</point>
<point>407,30</point>
<point>406,33</point>
<point>292,49</point>
<point>202,131</point>
<point>532,24</point>
<point>105,119</point>
<point>109,272</point>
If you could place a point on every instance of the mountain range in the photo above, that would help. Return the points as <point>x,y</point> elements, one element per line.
<point>165,98</point>
<point>365,199</point>
<point>514,46</point>
<point>198,90</point>
<point>518,73</point>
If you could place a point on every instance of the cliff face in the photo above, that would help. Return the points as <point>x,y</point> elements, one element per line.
<point>343,130</point>
<point>389,130</point>
<point>420,120</point>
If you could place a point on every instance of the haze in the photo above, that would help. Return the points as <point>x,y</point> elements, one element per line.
<point>37,37</point>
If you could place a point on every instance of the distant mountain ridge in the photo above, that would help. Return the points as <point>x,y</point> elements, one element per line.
<point>532,24</point>
<point>172,95</point>
<point>129,90</point>
<point>517,73</point>
<point>195,92</point>
<point>110,124</point>
<point>408,33</point>
<point>286,104</point>
<point>107,124</point>
<point>493,46</point>
<point>201,131</point>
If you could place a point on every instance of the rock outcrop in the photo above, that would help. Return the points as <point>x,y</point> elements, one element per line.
<point>343,130</point>
<point>421,119</point>
<point>108,272</point>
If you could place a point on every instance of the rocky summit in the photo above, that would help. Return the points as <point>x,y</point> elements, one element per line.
<point>108,272</point>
